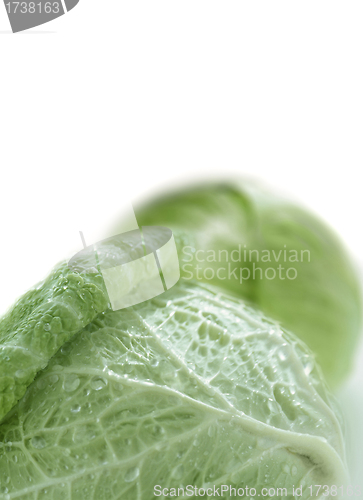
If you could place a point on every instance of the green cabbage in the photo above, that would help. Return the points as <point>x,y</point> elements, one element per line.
<point>190,388</point>
<point>318,299</point>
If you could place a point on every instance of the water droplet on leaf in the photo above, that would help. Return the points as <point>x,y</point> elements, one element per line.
<point>131,474</point>
<point>70,383</point>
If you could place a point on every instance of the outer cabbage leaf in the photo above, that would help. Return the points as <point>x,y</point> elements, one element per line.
<point>190,388</point>
<point>322,305</point>
<point>42,320</point>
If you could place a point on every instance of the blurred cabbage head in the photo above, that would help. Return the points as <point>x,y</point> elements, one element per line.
<point>272,252</point>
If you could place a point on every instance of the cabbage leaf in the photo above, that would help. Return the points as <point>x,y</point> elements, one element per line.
<point>190,388</point>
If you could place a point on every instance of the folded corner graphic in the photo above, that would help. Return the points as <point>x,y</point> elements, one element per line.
<point>136,266</point>
<point>27,14</point>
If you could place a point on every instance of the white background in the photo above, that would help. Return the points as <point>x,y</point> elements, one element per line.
<point>117,99</point>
